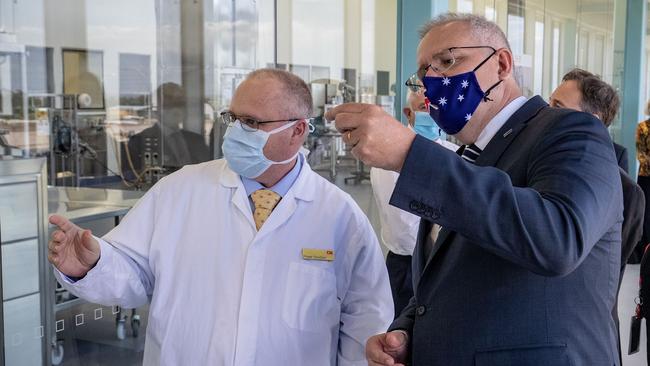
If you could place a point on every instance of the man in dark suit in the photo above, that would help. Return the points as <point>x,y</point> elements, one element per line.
<point>526,266</point>
<point>621,157</point>
<point>586,92</point>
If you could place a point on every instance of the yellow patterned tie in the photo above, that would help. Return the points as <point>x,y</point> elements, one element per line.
<point>265,201</point>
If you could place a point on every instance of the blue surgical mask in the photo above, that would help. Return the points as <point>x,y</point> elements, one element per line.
<point>244,150</point>
<point>455,98</point>
<point>425,126</point>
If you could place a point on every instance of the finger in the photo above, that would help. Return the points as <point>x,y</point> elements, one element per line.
<point>58,236</point>
<point>348,121</point>
<point>358,151</point>
<point>351,137</point>
<point>53,258</point>
<point>53,246</point>
<point>376,354</point>
<point>61,222</point>
<point>333,113</point>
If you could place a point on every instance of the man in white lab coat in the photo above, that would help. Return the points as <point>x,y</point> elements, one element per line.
<point>251,260</point>
<point>399,228</point>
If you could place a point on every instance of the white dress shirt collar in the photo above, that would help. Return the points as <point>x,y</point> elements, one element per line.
<point>498,121</point>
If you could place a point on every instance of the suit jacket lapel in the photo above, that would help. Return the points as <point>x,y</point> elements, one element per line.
<point>513,126</point>
<point>489,157</point>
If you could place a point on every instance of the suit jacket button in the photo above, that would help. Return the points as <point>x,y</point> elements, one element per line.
<point>420,310</point>
<point>414,205</point>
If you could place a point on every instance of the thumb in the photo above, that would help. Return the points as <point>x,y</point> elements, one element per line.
<point>395,339</point>
<point>87,240</point>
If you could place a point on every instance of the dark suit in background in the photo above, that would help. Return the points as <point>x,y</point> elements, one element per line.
<point>637,254</point>
<point>621,157</point>
<point>632,230</point>
<point>526,267</point>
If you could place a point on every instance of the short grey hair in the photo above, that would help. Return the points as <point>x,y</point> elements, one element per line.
<point>481,28</point>
<point>295,90</point>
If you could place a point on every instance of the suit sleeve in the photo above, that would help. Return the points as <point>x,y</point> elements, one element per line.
<point>571,199</point>
<point>405,319</point>
<point>122,275</point>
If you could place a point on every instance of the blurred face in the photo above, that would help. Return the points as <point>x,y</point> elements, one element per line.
<point>172,117</point>
<point>416,103</point>
<point>262,99</point>
<point>457,34</point>
<point>567,95</point>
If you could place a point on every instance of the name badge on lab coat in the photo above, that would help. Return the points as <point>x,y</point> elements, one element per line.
<point>318,254</point>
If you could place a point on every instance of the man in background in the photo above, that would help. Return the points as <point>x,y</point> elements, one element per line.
<point>399,228</point>
<point>586,92</point>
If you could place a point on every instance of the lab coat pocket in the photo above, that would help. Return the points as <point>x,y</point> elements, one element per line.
<point>310,299</point>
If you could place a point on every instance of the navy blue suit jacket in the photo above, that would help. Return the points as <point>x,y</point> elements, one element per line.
<point>526,267</point>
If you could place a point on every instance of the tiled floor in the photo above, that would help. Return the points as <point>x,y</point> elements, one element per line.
<point>96,344</point>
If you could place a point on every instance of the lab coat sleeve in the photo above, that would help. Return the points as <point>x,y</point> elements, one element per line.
<point>367,307</point>
<point>123,275</point>
<point>399,228</point>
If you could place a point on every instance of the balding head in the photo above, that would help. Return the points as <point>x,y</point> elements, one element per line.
<point>293,95</point>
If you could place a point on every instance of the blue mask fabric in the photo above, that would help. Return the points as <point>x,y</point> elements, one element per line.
<point>425,126</point>
<point>455,98</point>
<point>244,150</point>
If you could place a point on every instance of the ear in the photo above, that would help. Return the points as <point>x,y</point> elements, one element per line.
<point>300,130</point>
<point>506,63</point>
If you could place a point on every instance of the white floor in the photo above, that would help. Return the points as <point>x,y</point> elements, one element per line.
<point>362,193</point>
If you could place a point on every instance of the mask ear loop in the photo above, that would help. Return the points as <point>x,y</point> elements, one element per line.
<point>485,96</point>
<point>487,92</point>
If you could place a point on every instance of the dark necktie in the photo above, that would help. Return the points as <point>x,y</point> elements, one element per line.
<point>471,153</point>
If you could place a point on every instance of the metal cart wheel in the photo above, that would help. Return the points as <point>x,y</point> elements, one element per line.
<point>135,325</point>
<point>121,329</point>
<point>57,352</point>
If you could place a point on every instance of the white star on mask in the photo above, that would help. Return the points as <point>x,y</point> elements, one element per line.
<point>442,101</point>
<point>467,117</point>
<point>446,81</point>
<point>460,98</point>
<point>464,84</point>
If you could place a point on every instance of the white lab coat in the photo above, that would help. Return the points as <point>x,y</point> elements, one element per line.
<point>224,294</point>
<point>399,228</point>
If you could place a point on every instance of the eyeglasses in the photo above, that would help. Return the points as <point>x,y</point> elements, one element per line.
<point>250,124</point>
<point>441,63</point>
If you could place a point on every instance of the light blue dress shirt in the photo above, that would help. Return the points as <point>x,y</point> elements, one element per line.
<point>281,187</point>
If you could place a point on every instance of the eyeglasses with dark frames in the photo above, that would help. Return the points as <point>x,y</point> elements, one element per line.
<point>251,124</point>
<point>441,63</point>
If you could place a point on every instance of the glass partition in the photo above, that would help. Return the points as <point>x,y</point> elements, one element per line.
<point>118,94</point>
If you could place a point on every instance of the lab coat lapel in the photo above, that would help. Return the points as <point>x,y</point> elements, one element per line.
<point>230,180</point>
<point>302,189</point>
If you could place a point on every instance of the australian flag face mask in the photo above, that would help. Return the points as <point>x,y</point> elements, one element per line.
<point>455,98</point>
